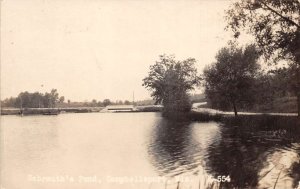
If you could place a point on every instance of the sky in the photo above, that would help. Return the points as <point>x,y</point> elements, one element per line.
<point>101,49</point>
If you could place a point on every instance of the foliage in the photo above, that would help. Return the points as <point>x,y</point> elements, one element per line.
<point>106,102</point>
<point>53,98</point>
<point>230,81</point>
<point>284,80</point>
<point>33,100</point>
<point>170,80</point>
<point>275,25</point>
<point>61,99</point>
<point>276,91</point>
<point>126,102</point>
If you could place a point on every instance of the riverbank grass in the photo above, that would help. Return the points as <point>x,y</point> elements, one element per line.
<point>263,120</point>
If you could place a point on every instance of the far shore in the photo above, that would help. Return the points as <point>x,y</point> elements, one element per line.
<point>149,108</point>
<point>55,111</point>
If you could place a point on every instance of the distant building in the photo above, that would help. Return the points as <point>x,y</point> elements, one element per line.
<point>119,108</point>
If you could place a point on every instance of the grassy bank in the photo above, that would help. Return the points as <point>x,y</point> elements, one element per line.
<point>279,105</point>
<point>246,120</point>
<point>284,105</point>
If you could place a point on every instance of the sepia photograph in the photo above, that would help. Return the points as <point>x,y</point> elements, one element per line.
<point>150,94</point>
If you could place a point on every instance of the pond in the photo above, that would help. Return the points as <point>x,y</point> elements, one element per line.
<point>143,150</point>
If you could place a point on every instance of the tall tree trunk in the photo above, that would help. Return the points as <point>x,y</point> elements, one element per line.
<point>296,53</point>
<point>234,108</point>
<point>298,93</point>
<point>298,90</point>
<point>298,100</point>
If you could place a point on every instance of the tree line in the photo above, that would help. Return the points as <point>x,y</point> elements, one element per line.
<point>107,102</point>
<point>52,99</point>
<point>235,80</point>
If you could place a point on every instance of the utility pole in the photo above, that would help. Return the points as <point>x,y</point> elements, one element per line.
<point>40,93</point>
<point>133,98</point>
<point>21,106</point>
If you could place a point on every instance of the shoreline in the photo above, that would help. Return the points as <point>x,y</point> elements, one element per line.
<point>56,111</point>
<point>198,114</point>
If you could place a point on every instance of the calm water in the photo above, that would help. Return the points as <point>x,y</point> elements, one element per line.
<point>142,150</point>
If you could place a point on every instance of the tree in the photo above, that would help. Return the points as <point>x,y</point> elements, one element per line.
<point>61,99</point>
<point>94,103</point>
<point>23,99</point>
<point>29,100</point>
<point>274,86</point>
<point>36,100</point>
<point>53,97</point>
<point>283,81</point>
<point>99,103</point>
<point>229,81</point>
<point>126,102</point>
<point>9,102</point>
<point>119,102</point>
<point>106,102</point>
<point>276,27</point>
<point>169,81</point>
<point>47,100</point>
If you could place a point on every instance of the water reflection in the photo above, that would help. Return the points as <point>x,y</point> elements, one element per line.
<point>237,156</point>
<point>253,157</point>
<point>172,148</point>
<point>179,148</point>
<point>256,157</point>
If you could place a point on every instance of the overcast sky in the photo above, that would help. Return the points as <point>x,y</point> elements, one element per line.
<point>101,49</point>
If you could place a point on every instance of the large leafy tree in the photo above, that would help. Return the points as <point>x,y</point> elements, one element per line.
<point>275,24</point>
<point>230,81</point>
<point>170,81</point>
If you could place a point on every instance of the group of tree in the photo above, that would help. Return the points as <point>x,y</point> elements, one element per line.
<point>106,102</point>
<point>230,81</point>
<point>235,80</point>
<point>52,99</point>
<point>34,100</point>
<point>275,25</point>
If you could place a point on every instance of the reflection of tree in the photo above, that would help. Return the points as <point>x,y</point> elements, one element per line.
<point>242,152</point>
<point>172,148</point>
<point>244,149</point>
<point>295,170</point>
<point>237,157</point>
